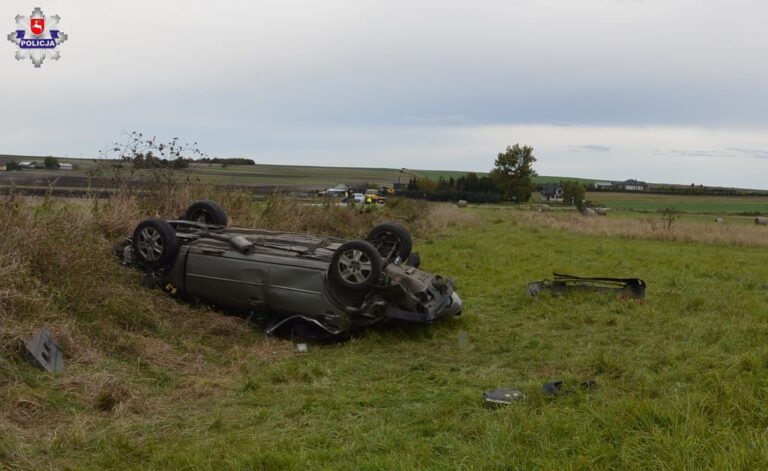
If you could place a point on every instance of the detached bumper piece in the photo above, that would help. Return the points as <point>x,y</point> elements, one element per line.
<point>624,288</point>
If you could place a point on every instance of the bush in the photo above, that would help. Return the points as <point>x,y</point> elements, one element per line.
<point>51,163</point>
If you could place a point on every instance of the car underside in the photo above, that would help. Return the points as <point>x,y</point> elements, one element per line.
<point>295,284</point>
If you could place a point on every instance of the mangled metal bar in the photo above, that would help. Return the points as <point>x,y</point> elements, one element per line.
<point>625,288</point>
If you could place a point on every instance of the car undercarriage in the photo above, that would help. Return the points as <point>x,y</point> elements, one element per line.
<point>295,284</point>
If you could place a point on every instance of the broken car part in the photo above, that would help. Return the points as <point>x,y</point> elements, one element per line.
<point>503,396</point>
<point>555,388</point>
<point>43,352</point>
<point>625,288</point>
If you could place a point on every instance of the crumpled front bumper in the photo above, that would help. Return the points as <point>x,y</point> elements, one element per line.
<point>445,305</point>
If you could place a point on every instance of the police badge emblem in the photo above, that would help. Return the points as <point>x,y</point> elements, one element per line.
<point>37,37</point>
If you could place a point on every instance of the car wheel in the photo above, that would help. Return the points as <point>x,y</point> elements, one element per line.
<point>207,212</point>
<point>155,243</point>
<point>391,241</point>
<point>356,265</point>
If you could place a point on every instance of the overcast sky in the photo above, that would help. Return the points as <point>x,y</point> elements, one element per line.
<point>658,90</point>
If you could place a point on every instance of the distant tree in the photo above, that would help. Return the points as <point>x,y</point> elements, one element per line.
<point>51,163</point>
<point>574,192</point>
<point>12,165</point>
<point>226,161</point>
<point>513,172</point>
<point>473,183</point>
<point>180,162</point>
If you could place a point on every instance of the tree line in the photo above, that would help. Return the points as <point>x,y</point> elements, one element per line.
<point>511,179</point>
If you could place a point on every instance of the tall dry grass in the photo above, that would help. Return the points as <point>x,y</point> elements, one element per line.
<point>58,270</point>
<point>330,218</point>
<point>117,215</point>
<point>653,227</point>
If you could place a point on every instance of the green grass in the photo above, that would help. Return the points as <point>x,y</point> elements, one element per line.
<point>684,203</point>
<point>290,176</point>
<point>287,175</point>
<point>541,179</point>
<point>682,379</point>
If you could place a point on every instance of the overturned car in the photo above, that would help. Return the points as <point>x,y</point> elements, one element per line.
<point>296,284</point>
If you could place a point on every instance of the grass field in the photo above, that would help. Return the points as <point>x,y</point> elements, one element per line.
<point>99,175</point>
<point>683,203</point>
<point>150,383</point>
<point>260,175</point>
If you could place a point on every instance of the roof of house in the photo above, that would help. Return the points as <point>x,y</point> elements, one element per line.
<point>550,188</point>
<point>634,182</point>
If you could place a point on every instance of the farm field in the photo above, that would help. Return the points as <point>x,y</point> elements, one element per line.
<point>261,178</point>
<point>259,175</point>
<point>293,177</point>
<point>683,203</point>
<point>152,383</point>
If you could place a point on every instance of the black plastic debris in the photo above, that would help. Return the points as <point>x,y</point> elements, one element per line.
<point>43,352</point>
<point>503,396</point>
<point>555,388</point>
<point>625,288</point>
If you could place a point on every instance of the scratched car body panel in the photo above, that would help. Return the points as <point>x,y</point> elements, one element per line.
<point>300,284</point>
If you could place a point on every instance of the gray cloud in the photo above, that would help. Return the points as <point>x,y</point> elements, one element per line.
<point>698,153</point>
<point>754,153</point>
<point>269,78</point>
<point>729,152</point>
<point>591,147</point>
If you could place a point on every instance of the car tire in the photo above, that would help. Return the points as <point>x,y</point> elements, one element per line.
<point>356,265</point>
<point>154,243</point>
<point>391,240</point>
<point>206,212</point>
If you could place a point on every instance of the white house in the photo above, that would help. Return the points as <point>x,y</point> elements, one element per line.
<point>65,166</point>
<point>552,192</point>
<point>602,185</point>
<point>632,185</point>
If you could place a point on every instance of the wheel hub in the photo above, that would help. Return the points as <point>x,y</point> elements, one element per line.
<point>150,244</point>
<point>354,266</point>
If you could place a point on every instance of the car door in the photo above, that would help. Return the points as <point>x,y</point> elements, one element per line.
<point>226,278</point>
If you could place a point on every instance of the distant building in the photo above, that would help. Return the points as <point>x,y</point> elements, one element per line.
<point>632,185</point>
<point>31,165</point>
<point>339,190</point>
<point>552,192</point>
<point>65,166</point>
<point>602,185</point>
<point>3,168</point>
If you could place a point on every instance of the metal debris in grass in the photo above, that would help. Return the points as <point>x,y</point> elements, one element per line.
<point>44,352</point>
<point>503,397</point>
<point>556,388</point>
<point>625,288</point>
